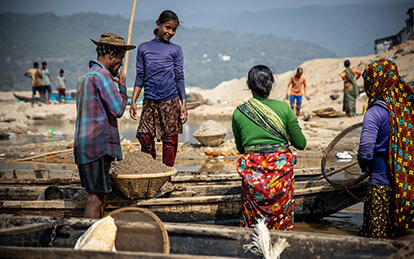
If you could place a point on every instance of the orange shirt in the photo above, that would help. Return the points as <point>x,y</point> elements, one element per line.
<point>356,72</point>
<point>35,74</point>
<point>296,85</point>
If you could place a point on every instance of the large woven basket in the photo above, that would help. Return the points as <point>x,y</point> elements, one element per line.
<point>141,186</point>
<point>212,140</point>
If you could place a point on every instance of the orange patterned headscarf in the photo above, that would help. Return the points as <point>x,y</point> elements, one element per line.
<point>381,80</point>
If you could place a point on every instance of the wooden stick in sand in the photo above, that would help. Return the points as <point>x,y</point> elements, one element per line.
<point>131,23</point>
<point>57,152</point>
<point>42,155</point>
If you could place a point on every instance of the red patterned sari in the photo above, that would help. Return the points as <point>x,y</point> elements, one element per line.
<point>267,189</point>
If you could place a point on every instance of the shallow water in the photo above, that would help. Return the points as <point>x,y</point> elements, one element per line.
<point>66,131</point>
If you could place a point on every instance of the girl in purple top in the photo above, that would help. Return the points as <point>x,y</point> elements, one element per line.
<point>160,72</point>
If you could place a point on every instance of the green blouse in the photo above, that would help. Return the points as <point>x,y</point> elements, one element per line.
<point>248,133</point>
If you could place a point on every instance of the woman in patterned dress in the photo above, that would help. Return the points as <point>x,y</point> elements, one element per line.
<point>160,71</point>
<point>386,150</point>
<point>263,128</point>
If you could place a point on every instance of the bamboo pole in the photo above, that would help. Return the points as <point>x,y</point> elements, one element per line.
<point>58,152</point>
<point>131,23</point>
<point>42,155</point>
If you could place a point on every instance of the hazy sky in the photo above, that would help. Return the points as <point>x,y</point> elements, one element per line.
<point>149,8</point>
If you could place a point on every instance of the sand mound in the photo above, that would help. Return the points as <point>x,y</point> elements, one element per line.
<point>210,128</point>
<point>137,162</point>
<point>323,77</point>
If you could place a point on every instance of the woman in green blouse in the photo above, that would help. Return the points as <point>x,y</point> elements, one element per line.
<point>262,129</point>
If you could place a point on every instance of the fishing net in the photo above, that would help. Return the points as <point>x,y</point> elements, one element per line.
<point>339,163</point>
<point>140,230</point>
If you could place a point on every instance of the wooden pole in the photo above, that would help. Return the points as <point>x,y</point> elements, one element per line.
<point>131,23</point>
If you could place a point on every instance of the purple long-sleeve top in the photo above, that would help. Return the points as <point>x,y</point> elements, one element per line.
<point>374,144</point>
<point>160,70</point>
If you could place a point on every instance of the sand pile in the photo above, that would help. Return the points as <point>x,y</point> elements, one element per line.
<point>137,162</point>
<point>210,128</point>
<point>323,77</point>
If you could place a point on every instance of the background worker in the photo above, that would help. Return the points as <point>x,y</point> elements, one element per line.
<point>350,77</point>
<point>46,80</point>
<point>296,81</point>
<point>35,75</point>
<point>61,85</point>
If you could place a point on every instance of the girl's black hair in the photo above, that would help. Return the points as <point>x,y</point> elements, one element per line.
<point>166,16</point>
<point>260,80</point>
<point>347,63</point>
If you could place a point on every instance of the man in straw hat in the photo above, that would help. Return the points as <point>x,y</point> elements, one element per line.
<point>99,103</point>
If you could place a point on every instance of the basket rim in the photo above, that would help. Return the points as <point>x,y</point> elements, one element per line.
<point>143,176</point>
<point>215,135</point>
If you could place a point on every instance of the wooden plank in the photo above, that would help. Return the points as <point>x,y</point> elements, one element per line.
<point>227,241</point>
<point>12,192</point>
<point>59,253</point>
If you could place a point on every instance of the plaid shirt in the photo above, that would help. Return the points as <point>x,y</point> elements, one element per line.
<point>99,103</point>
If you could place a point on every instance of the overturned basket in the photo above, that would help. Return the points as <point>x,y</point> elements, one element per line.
<point>141,186</point>
<point>211,140</point>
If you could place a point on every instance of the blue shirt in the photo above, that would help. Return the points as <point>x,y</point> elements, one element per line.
<point>374,144</point>
<point>160,70</point>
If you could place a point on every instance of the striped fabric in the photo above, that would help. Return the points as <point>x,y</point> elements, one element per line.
<point>99,103</point>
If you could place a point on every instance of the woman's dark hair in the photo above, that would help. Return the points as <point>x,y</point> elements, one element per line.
<point>61,71</point>
<point>260,80</point>
<point>166,16</point>
<point>347,63</point>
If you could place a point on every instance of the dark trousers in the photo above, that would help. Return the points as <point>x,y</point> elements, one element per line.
<point>169,147</point>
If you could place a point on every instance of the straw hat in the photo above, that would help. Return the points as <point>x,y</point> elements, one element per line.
<point>109,38</point>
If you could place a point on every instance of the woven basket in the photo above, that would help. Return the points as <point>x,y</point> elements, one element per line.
<point>141,186</point>
<point>212,140</point>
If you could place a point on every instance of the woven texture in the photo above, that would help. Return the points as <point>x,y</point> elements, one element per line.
<point>143,186</point>
<point>140,230</point>
<point>211,141</point>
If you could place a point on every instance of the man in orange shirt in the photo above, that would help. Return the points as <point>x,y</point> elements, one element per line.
<point>350,77</point>
<point>296,92</point>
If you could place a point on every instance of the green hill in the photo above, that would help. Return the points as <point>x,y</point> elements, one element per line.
<point>64,42</point>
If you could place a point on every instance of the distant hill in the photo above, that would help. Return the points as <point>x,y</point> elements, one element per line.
<point>211,56</point>
<point>347,30</point>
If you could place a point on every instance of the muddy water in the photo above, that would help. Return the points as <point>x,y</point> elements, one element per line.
<point>66,131</point>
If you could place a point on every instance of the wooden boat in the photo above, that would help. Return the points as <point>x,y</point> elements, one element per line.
<point>202,197</point>
<point>193,104</point>
<point>53,97</point>
<point>22,239</point>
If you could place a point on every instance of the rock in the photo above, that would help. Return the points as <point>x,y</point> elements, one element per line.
<point>225,153</point>
<point>334,96</point>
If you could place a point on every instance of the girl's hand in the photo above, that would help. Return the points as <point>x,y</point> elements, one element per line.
<point>133,111</point>
<point>183,113</point>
